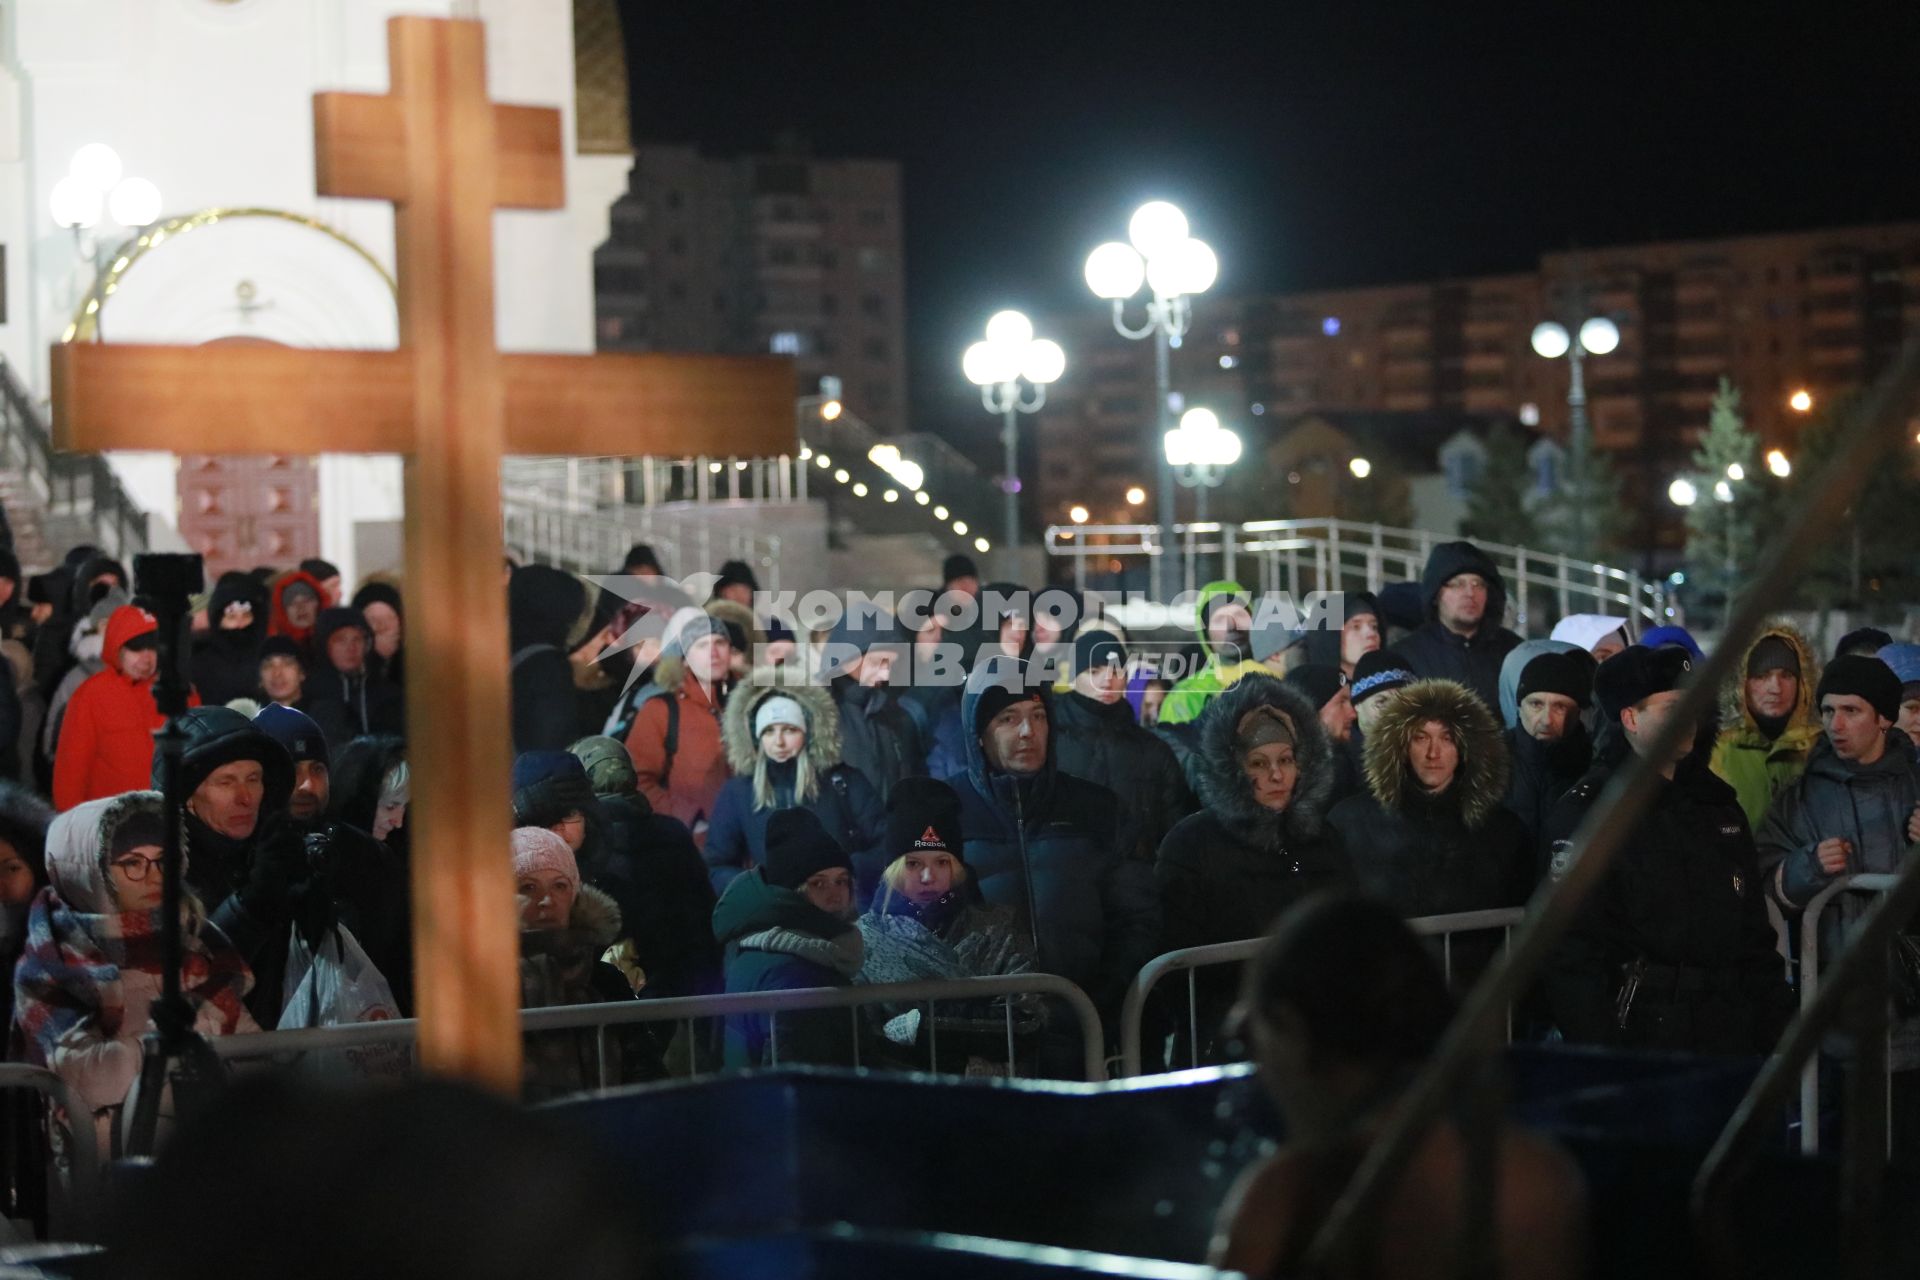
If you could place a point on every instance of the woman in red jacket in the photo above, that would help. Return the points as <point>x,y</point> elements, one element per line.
<point>106,740</point>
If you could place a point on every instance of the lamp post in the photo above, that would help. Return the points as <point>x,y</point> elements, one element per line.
<point>1598,336</point>
<point>1009,356</point>
<point>1198,453</point>
<point>1174,266</point>
<point>95,191</point>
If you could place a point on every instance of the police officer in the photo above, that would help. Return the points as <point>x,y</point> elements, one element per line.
<point>1674,951</point>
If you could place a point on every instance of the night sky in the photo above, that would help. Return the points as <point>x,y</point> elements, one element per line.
<point>1313,144</point>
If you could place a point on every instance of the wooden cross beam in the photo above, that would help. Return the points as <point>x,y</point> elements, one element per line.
<point>453,405</point>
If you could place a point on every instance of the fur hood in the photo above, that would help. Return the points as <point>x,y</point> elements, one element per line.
<point>1733,694</point>
<point>1480,785</point>
<point>594,926</point>
<point>822,726</point>
<point>738,617</point>
<point>1225,790</point>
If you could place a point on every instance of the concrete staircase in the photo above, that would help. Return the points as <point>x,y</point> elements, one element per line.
<point>58,500</point>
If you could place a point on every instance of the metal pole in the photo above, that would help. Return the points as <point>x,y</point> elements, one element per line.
<point>1163,392</point>
<point>1577,428</point>
<point>1200,499</point>
<point>1010,438</point>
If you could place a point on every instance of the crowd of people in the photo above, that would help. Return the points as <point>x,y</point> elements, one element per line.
<point>708,810</point>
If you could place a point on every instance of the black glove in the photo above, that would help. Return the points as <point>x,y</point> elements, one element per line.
<point>277,870</point>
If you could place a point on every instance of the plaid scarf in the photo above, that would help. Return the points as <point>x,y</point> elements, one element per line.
<point>70,971</point>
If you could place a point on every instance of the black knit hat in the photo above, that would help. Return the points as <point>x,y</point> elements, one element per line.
<point>1381,671</point>
<point>923,816</point>
<point>281,647</point>
<point>378,593</point>
<point>1856,675</point>
<point>319,570</point>
<point>1863,640</point>
<point>1772,653</point>
<point>736,573</point>
<point>1635,674</point>
<point>1095,647</point>
<point>1321,683</point>
<point>640,556</point>
<point>957,566</point>
<point>799,848</point>
<point>1562,673</point>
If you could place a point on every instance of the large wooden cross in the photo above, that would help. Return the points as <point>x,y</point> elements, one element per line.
<point>454,406</point>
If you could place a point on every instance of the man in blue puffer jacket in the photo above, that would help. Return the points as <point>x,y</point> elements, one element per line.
<point>1044,842</point>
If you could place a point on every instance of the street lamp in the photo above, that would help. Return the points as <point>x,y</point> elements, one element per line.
<point>1599,336</point>
<point>1012,355</point>
<point>1682,493</point>
<point>1173,266</point>
<point>1198,453</point>
<point>95,191</point>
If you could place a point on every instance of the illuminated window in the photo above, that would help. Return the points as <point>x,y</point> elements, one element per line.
<point>785,343</point>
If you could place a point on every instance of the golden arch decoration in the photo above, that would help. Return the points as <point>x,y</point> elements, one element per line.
<point>85,326</point>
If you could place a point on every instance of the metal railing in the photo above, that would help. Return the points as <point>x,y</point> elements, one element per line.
<point>584,540</point>
<point>83,1177</point>
<point>1810,990</point>
<point>1854,997</point>
<point>1300,556</point>
<point>1192,959</point>
<point>1875,425</point>
<point>66,484</point>
<point>600,1018</point>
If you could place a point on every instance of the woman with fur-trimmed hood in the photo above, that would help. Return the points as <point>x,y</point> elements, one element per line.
<point>1771,718</point>
<point>1432,835</point>
<point>1261,842</point>
<point>783,745</point>
<point>566,929</point>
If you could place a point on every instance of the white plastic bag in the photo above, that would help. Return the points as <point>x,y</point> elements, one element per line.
<point>334,985</point>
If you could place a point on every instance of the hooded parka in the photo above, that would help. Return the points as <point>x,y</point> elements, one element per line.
<point>1756,766</point>
<point>843,798</point>
<point>1435,653</point>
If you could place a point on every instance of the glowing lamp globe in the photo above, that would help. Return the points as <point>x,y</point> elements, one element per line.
<point>1115,271</point>
<point>1010,329</point>
<point>1156,227</point>
<point>1044,362</point>
<point>1599,336</point>
<point>97,165</point>
<point>1682,493</point>
<point>74,203</point>
<point>1551,340</point>
<point>988,364</point>
<point>134,203</point>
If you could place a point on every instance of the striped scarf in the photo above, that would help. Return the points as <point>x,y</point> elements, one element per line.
<point>70,972</point>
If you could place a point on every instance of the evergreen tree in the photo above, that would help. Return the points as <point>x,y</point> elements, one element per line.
<point>1724,523</point>
<point>1871,554</point>
<point>1497,509</point>
<point>1586,518</point>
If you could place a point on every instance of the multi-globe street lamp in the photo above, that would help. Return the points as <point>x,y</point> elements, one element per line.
<point>1010,356</point>
<point>1198,452</point>
<point>1174,267</point>
<point>1598,336</point>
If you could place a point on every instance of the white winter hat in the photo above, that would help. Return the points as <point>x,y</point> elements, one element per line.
<point>778,709</point>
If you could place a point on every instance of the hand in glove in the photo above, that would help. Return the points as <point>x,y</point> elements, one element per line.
<point>278,867</point>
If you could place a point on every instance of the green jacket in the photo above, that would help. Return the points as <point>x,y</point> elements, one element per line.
<point>1190,695</point>
<point>1759,768</point>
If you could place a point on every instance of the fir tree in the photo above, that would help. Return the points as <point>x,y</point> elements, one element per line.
<point>1724,522</point>
<point>1497,509</point>
<point>1586,519</point>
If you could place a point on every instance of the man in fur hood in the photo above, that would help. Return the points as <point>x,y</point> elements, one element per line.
<point>1432,836</point>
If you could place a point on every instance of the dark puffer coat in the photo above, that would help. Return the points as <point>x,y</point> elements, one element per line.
<point>226,664</point>
<point>349,706</point>
<point>648,863</point>
<point>543,603</point>
<point>1435,653</point>
<point>1103,744</point>
<point>1229,870</point>
<point>1046,845</point>
<point>843,800</point>
<point>878,735</point>
<point>564,967</point>
<point>1542,773</point>
<point>778,941</point>
<point>1675,950</point>
<point>1428,854</point>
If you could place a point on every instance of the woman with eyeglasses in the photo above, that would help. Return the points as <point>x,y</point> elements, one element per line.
<point>92,967</point>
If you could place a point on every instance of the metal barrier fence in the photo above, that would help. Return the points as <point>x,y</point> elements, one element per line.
<point>1192,959</point>
<point>599,1018</point>
<point>1299,556</point>
<point>83,1186</point>
<point>1810,989</point>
